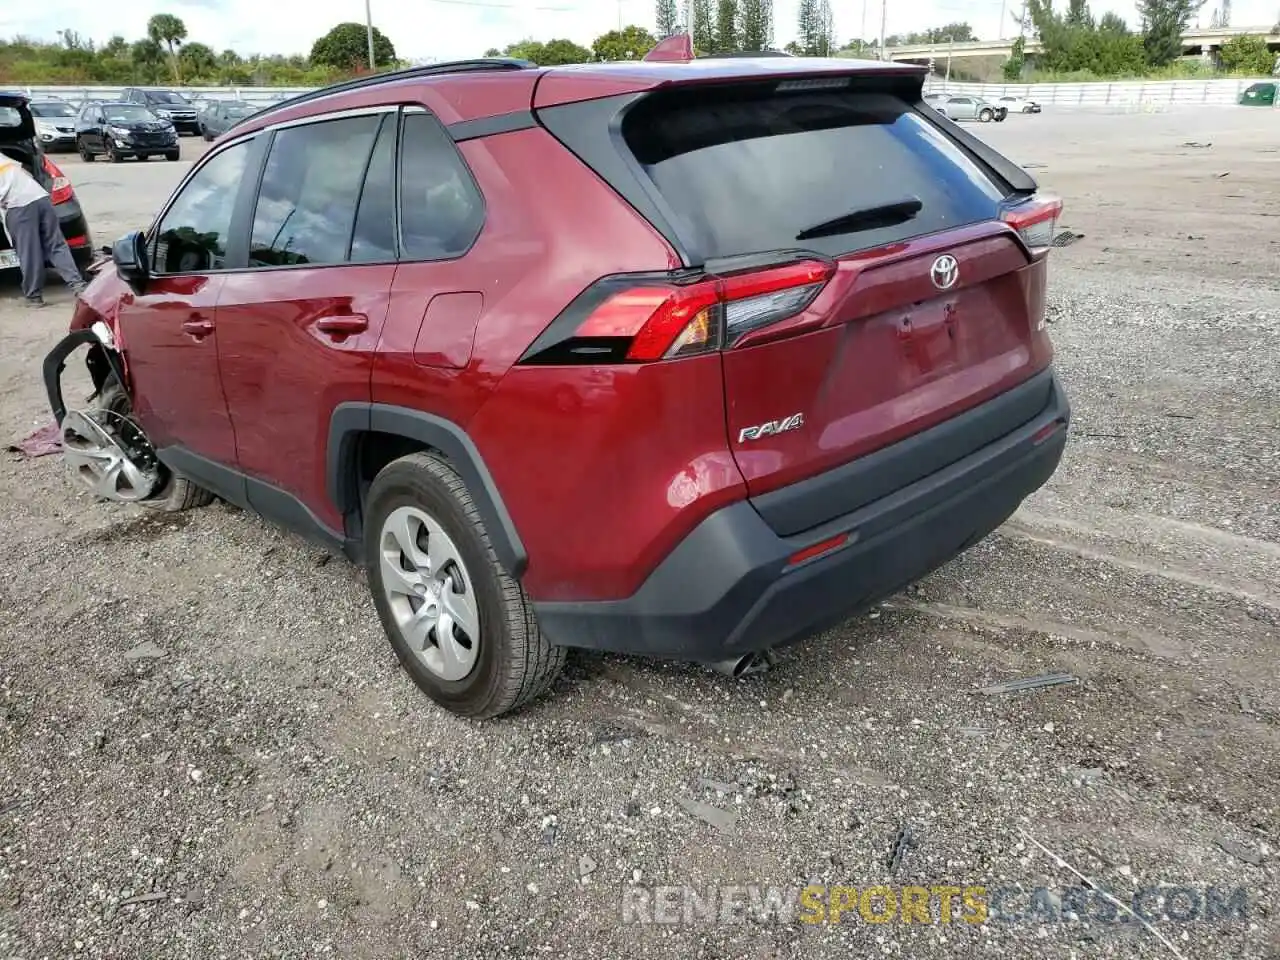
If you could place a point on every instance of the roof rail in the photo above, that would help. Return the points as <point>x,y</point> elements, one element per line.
<point>745,53</point>
<point>391,76</point>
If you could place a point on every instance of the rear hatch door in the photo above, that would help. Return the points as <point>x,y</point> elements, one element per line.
<point>931,303</point>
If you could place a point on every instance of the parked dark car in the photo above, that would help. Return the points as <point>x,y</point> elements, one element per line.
<point>120,130</point>
<point>55,124</point>
<point>19,141</point>
<point>618,356</point>
<point>167,105</point>
<point>219,116</point>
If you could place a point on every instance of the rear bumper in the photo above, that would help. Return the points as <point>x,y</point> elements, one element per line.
<point>729,588</point>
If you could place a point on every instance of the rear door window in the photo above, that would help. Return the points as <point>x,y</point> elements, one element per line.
<point>752,173</point>
<point>307,203</point>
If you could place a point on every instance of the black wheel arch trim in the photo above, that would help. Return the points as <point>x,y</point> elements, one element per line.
<point>351,420</point>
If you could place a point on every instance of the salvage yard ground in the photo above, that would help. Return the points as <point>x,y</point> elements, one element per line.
<point>269,783</point>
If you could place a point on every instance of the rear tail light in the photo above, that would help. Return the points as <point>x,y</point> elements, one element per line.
<point>1036,221</point>
<point>646,319</point>
<point>61,191</point>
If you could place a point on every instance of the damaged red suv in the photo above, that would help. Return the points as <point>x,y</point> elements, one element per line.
<point>683,359</point>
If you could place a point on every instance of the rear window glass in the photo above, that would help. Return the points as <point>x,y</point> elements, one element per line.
<point>746,174</point>
<point>10,117</point>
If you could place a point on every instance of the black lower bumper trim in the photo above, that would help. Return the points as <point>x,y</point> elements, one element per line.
<point>727,589</point>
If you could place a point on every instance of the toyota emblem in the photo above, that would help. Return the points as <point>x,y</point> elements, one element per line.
<point>945,272</point>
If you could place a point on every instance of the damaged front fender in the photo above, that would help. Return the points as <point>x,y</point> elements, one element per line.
<point>103,359</point>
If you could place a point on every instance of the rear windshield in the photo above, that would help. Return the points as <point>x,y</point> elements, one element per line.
<point>10,117</point>
<point>750,173</point>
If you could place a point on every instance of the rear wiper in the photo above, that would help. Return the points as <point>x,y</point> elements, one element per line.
<point>868,218</point>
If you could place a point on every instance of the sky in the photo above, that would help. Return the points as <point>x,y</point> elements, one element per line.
<point>449,29</point>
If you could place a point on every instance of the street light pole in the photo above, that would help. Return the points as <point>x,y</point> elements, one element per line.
<point>368,20</point>
<point>951,45</point>
<point>884,19</point>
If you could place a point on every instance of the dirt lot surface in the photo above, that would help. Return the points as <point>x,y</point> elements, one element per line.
<point>273,786</point>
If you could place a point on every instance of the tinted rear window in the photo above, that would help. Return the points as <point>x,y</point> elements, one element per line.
<point>749,173</point>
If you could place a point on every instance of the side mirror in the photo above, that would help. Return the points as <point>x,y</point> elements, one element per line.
<point>129,254</point>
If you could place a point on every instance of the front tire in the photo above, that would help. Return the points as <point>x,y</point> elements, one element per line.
<point>985,116</point>
<point>461,626</point>
<point>178,493</point>
<point>173,155</point>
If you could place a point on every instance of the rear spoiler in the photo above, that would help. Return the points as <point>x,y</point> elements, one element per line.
<point>678,48</point>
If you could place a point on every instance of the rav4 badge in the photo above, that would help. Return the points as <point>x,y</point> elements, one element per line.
<point>787,424</point>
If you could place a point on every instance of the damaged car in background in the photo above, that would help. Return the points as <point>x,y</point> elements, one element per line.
<point>20,140</point>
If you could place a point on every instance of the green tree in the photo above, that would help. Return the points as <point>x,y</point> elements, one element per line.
<point>549,54</point>
<point>1012,68</point>
<point>1104,50</point>
<point>815,33</point>
<point>346,47</point>
<point>1113,23</point>
<point>117,48</point>
<point>757,24</point>
<point>493,52</point>
<point>1248,54</point>
<point>147,59</point>
<point>667,19</point>
<point>629,43</point>
<point>166,29</point>
<point>703,28</point>
<point>726,40</point>
<point>198,60</point>
<point>959,32</point>
<point>1078,14</point>
<point>1163,24</point>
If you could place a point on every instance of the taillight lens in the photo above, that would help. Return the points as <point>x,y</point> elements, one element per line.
<point>61,191</point>
<point>654,319</point>
<point>1036,221</point>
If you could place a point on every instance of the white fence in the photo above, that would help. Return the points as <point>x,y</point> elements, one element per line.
<point>254,95</point>
<point>1119,95</point>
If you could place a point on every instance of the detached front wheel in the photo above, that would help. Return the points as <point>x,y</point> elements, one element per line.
<point>460,625</point>
<point>177,493</point>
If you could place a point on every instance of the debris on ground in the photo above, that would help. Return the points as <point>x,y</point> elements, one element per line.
<point>147,650</point>
<point>1240,851</point>
<point>586,865</point>
<point>719,786</point>
<point>720,819</point>
<point>1197,144</point>
<point>1065,238</point>
<point>144,898</point>
<point>903,841</point>
<point>1029,683</point>
<point>45,441</point>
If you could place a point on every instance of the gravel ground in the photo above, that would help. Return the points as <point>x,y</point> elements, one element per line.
<point>273,786</point>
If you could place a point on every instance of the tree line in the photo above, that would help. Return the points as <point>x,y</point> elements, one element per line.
<point>165,55</point>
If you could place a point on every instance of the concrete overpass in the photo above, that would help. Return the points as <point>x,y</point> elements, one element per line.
<point>1203,42</point>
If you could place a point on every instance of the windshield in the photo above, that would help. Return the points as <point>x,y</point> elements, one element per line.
<point>126,113</point>
<point>239,111</point>
<point>52,110</point>
<point>164,96</point>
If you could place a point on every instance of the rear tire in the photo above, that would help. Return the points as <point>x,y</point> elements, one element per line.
<point>85,155</point>
<point>424,539</point>
<point>178,493</point>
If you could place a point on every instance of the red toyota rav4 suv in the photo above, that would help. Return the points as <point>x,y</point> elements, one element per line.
<point>683,359</point>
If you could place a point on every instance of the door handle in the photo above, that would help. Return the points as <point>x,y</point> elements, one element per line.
<point>344,325</point>
<point>198,327</point>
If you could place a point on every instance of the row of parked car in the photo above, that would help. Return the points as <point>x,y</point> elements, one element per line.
<point>141,123</point>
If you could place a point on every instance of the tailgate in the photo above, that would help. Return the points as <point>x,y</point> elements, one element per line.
<point>905,299</point>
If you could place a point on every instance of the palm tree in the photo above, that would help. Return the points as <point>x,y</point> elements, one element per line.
<point>169,30</point>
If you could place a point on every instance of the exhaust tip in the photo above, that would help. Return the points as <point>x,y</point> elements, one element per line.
<point>749,665</point>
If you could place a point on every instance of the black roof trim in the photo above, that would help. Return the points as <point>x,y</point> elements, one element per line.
<point>409,73</point>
